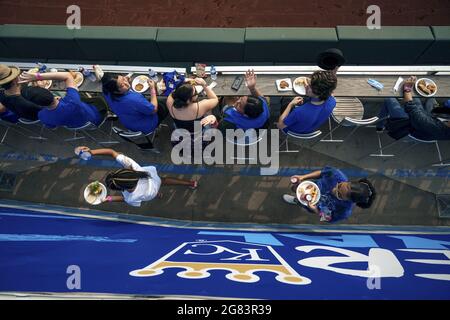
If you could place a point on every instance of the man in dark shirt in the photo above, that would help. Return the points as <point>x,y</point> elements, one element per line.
<point>12,97</point>
<point>429,122</point>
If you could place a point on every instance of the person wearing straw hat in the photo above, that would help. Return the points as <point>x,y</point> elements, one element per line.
<point>12,99</point>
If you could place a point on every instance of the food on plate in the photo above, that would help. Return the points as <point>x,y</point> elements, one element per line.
<point>426,88</point>
<point>431,87</point>
<point>311,190</point>
<point>301,81</point>
<point>77,77</point>
<point>284,84</point>
<point>139,87</point>
<point>42,83</point>
<point>95,189</point>
<point>423,87</point>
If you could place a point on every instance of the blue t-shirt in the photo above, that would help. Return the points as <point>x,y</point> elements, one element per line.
<point>328,203</point>
<point>308,117</point>
<point>242,121</point>
<point>70,112</point>
<point>135,112</point>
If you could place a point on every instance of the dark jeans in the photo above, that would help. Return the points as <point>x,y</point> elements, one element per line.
<point>393,109</point>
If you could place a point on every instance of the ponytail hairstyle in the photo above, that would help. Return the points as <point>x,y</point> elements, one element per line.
<point>110,86</point>
<point>362,193</point>
<point>181,95</point>
<point>124,179</point>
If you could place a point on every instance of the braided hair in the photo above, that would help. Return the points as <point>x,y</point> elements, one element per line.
<point>124,179</point>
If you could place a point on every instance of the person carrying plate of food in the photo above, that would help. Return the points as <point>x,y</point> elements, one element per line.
<point>337,194</point>
<point>136,183</point>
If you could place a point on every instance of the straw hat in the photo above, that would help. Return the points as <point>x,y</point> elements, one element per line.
<point>8,74</point>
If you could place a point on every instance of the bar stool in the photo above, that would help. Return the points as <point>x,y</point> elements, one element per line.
<point>349,112</point>
<point>299,137</point>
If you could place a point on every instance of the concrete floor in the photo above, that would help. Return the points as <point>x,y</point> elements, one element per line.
<point>48,172</point>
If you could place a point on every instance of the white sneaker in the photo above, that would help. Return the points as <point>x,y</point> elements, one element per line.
<point>289,199</point>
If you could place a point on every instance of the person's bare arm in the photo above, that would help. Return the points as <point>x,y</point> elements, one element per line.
<point>59,76</point>
<point>312,175</point>
<point>250,79</point>
<point>2,108</point>
<point>153,96</point>
<point>113,199</point>
<point>408,96</point>
<point>293,103</point>
<point>212,101</point>
<point>99,152</point>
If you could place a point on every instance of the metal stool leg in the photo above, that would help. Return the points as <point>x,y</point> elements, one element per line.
<point>286,141</point>
<point>441,162</point>
<point>380,148</point>
<point>74,137</point>
<point>330,133</point>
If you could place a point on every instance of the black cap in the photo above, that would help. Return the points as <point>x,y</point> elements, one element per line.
<point>38,95</point>
<point>330,59</point>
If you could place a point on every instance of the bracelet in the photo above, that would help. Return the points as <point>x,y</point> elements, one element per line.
<point>108,198</point>
<point>38,76</point>
<point>153,92</point>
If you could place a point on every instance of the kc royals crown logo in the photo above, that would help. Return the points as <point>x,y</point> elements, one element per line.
<point>241,259</point>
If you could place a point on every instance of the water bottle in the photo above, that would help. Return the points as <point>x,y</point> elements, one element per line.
<point>213,73</point>
<point>98,72</point>
<point>87,74</point>
<point>85,155</point>
<point>153,75</point>
<point>42,67</point>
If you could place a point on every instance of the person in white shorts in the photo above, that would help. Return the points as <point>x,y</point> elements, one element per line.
<point>136,183</point>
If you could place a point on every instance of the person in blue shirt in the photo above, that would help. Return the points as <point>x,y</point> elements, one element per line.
<point>300,116</point>
<point>135,112</point>
<point>247,112</point>
<point>337,194</point>
<point>69,111</point>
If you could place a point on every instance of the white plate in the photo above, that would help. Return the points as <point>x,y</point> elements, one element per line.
<point>142,80</point>
<point>99,198</point>
<point>78,78</point>
<point>288,88</point>
<point>301,189</point>
<point>39,83</point>
<point>300,89</point>
<point>427,82</point>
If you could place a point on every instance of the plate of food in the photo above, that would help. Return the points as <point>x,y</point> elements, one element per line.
<point>308,191</point>
<point>95,193</point>
<point>426,87</point>
<point>140,84</point>
<point>46,84</point>
<point>284,84</point>
<point>300,84</point>
<point>78,78</point>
